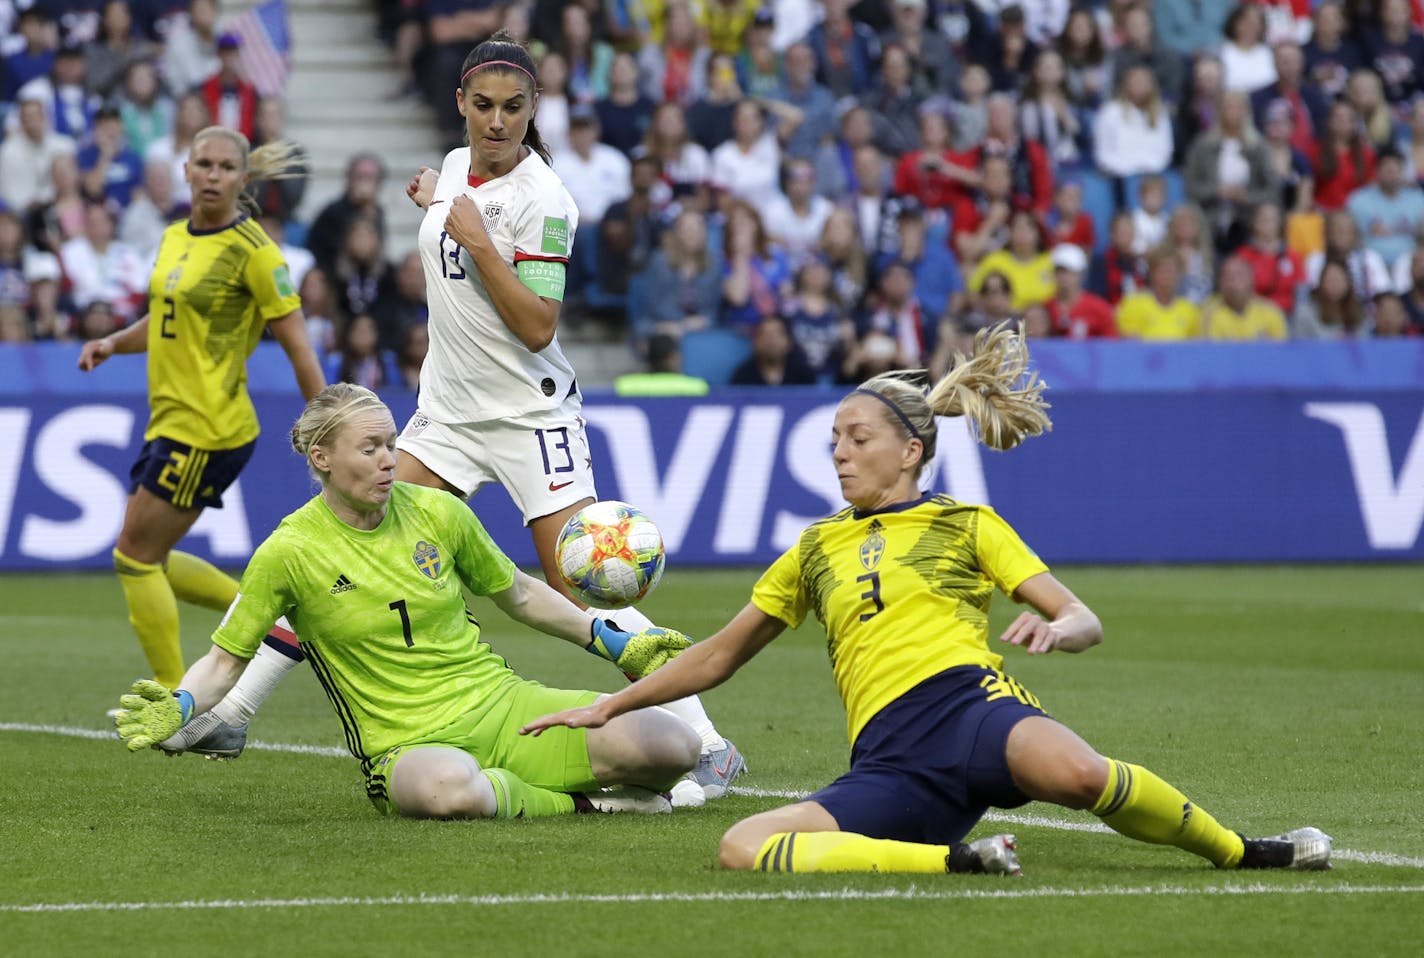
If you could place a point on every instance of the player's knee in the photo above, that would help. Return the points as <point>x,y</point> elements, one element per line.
<point>454,793</point>
<point>739,846</point>
<point>669,745</point>
<point>1082,779</point>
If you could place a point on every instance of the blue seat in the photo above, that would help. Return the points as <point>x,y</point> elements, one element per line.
<point>713,354</point>
<point>1099,204</point>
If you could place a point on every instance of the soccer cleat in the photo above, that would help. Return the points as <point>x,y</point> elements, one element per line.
<point>995,855</point>
<point>1303,849</point>
<point>625,798</point>
<point>687,794</point>
<point>717,768</point>
<point>208,736</point>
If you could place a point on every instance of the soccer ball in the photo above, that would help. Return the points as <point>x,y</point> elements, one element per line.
<point>610,554</point>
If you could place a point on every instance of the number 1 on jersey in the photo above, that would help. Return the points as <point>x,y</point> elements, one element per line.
<point>399,606</point>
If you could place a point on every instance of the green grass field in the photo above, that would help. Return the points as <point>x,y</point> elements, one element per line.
<point>1274,697</point>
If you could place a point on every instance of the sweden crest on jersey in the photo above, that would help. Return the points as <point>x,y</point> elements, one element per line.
<point>873,547</point>
<point>427,559</point>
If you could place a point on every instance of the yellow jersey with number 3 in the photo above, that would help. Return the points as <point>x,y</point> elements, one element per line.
<point>903,593</point>
<point>211,294</point>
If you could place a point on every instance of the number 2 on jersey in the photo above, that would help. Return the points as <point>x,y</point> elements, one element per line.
<point>399,606</point>
<point>451,269</point>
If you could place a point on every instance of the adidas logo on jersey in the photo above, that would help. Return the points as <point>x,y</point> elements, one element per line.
<point>343,584</point>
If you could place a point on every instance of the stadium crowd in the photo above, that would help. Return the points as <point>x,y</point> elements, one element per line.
<point>853,187</point>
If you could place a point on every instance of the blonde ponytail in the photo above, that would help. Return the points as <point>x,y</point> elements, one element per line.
<point>277,160</point>
<point>995,390</point>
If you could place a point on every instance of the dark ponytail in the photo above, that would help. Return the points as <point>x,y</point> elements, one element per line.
<point>508,55</point>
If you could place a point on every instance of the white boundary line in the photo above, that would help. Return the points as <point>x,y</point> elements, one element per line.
<point>911,893</point>
<point>1013,818</point>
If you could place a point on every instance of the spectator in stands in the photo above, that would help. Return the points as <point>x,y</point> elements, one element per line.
<point>406,307</point>
<point>1391,319</point>
<point>34,56</point>
<point>190,51</point>
<point>674,69</point>
<point>28,154</point>
<point>231,100</point>
<point>1277,272</point>
<point>756,274</point>
<point>1331,55</point>
<point>1342,159</point>
<point>1067,221</point>
<point>174,147</point>
<point>1388,212</point>
<point>1086,74</point>
<point>70,105</point>
<point>990,308</point>
<point>981,222</point>
<point>143,224</point>
<point>1073,311</point>
<point>683,165</point>
<point>632,228</point>
<point>1141,48</point>
<point>1412,144</point>
<point>14,291</point>
<point>1149,216</point>
<point>1120,270</point>
<point>1307,106</point>
<point>710,117</point>
<point>1048,116</point>
<point>874,211</point>
<point>818,321</point>
<point>410,357</point>
<point>596,176</point>
<point>61,219</point>
<point>1191,27</point>
<point>938,284</point>
<point>1228,171</point>
<point>1331,310</point>
<point>817,106</point>
<point>1023,260</point>
<point>1159,312</point>
<point>453,27</point>
<point>299,260</point>
<point>97,320</point>
<point>936,176</point>
<point>277,198</point>
<point>1287,21</point>
<point>116,48</point>
<point>846,258</point>
<point>1008,54</point>
<point>361,275</point>
<point>775,358</point>
<point>1369,274</point>
<point>893,103</point>
<point>1198,109</point>
<point>899,315</point>
<point>47,319</point>
<point>748,165</point>
<point>1132,133</point>
<point>359,357</point>
<point>682,286</point>
<point>1396,52</point>
<point>758,62</point>
<point>111,169</point>
<point>971,108</point>
<point>365,174</point>
<point>796,215</point>
<point>1409,282</point>
<point>846,50</point>
<point>101,268</point>
<point>1246,60</point>
<point>1366,94</point>
<point>1030,171</point>
<point>933,65</point>
<point>319,307</point>
<point>623,115</point>
<point>589,59</point>
<point>835,163</point>
<point>1291,167</point>
<point>1236,312</point>
<point>554,102</point>
<point>146,110</point>
<point>664,375</point>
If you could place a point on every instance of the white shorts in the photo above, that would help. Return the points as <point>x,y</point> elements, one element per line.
<point>544,469</point>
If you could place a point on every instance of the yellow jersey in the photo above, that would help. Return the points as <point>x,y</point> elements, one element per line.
<point>1141,316</point>
<point>1030,281</point>
<point>903,593</point>
<point>211,294</point>
<point>1261,319</point>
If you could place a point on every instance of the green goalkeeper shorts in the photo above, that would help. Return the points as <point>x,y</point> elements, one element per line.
<point>557,759</point>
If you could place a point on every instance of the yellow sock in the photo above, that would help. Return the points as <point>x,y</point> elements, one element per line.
<point>1140,805</point>
<point>199,582</point>
<point>153,612</point>
<point>847,852</point>
<point>516,798</point>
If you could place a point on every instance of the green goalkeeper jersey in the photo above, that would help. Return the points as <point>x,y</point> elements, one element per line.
<point>380,613</point>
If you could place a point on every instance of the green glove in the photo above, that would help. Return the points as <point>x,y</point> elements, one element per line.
<point>638,653</point>
<point>150,713</point>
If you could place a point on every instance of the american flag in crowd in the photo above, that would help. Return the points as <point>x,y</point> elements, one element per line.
<point>266,46</point>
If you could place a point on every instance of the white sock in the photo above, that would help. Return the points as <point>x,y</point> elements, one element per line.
<point>690,709</point>
<point>274,659</point>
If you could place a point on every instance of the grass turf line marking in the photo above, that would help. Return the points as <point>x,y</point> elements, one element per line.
<point>845,894</point>
<point>1039,821</point>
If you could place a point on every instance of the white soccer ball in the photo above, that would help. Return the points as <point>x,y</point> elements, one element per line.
<point>610,554</point>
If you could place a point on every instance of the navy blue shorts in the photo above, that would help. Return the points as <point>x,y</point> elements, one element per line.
<point>188,477</point>
<point>930,764</point>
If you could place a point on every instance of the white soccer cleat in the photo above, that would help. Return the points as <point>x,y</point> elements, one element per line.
<point>996,855</point>
<point>688,794</point>
<point>625,798</point>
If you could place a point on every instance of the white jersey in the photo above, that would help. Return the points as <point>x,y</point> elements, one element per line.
<point>477,370</point>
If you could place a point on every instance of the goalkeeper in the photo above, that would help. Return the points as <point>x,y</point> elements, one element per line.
<point>369,572</point>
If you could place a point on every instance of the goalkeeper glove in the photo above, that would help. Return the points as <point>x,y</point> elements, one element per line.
<point>150,713</point>
<point>636,653</point>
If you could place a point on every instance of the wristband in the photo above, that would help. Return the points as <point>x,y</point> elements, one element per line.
<point>608,640</point>
<point>185,703</point>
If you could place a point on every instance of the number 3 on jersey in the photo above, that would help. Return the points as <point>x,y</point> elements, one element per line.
<point>450,267</point>
<point>872,594</point>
